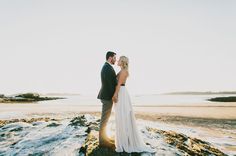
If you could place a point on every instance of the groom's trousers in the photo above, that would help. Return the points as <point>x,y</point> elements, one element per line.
<point>106,112</point>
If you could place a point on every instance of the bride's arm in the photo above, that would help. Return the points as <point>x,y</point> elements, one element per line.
<point>122,77</point>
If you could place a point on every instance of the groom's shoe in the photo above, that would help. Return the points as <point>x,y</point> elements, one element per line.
<point>112,146</point>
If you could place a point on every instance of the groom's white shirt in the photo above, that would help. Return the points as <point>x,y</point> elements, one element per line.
<point>109,63</point>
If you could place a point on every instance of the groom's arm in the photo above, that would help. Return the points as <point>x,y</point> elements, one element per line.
<point>110,81</point>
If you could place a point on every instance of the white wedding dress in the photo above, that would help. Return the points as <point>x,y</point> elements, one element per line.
<point>128,137</point>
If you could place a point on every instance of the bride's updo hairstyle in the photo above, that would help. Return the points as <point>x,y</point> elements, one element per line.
<point>124,62</point>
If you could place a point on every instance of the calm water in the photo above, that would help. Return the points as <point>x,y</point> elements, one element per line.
<point>144,100</point>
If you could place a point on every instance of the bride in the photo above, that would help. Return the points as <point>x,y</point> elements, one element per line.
<point>128,137</point>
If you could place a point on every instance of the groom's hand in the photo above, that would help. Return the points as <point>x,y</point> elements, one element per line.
<point>114,99</point>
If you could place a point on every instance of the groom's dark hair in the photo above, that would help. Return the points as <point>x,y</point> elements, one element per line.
<point>110,54</point>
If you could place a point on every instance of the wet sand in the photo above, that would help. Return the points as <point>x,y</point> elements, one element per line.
<point>199,111</point>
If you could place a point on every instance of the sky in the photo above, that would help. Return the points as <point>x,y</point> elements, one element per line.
<point>60,45</point>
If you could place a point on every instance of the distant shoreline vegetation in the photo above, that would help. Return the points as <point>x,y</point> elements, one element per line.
<point>26,97</point>
<point>223,99</point>
<point>200,93</point>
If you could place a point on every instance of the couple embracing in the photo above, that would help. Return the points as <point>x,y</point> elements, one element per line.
<point>113,92</point>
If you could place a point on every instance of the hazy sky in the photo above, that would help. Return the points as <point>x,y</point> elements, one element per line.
<point>60,46</point>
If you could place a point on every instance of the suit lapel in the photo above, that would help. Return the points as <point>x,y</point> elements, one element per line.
<point>110,67</point>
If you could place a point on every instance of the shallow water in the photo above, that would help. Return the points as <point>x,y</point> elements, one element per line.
<point>142,100</point>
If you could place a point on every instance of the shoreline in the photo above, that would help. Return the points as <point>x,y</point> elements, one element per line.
<point>191,121</point>
<point>17,110</point>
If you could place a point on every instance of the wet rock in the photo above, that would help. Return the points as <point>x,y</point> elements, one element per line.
<point>79,121</point>
<point>16,129</point>
<point>188,145</point>
<point>176,143</point>
<point>37,123</point>
<point>55,139</point>
<point>91,147</point>
<point>54,124</point>
<point>31,120</point>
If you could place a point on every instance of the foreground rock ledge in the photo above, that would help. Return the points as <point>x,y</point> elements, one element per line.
<point>185,145</point>
<point>182,144</point>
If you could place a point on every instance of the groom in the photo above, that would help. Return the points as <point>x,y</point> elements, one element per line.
<point>109,82</point>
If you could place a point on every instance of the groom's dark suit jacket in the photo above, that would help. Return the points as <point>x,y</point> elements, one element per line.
<point>109,82</point>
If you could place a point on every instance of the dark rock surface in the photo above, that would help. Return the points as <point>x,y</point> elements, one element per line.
<point>27,97</point>
<point>87,127</point>
<point>223,99</point>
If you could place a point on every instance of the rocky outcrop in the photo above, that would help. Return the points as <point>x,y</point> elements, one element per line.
<point>27,97</point>
<point>82,132</point>
<point>188,145</point>
<point>30,120</point>
<point>181,143</point>
<point>223,99</point>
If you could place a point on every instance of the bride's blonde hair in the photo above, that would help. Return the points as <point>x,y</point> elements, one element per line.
<point>124,62</point>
